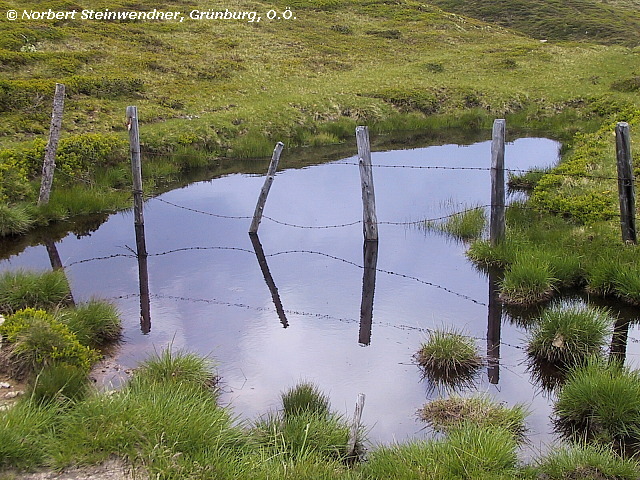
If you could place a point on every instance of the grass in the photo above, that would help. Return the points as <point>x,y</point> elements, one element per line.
<point>586,461</point>
<point>446,414</point>
<point>305,397</point>
<point>94,323</point>
<point>448,358</point>
<point>600,402</point>
<point>59,383</point>
<point>527,281</point>
<point>466,225</point>
<point>567,333</point>
<point>22,289</point>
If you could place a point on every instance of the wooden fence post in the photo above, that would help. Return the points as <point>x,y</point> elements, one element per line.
<point>49,164</point>
<point>352,445</point>
<point>366,179</point>
<point>626,189</point>
<point>262,198</point>
<point>497,223</point>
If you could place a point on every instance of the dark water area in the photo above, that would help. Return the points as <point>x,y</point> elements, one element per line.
<point>288,305</point>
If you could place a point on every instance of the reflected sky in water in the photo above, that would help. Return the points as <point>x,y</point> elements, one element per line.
<point>212,294</point>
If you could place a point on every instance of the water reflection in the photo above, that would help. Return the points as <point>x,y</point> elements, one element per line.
<point>370,252</point>
<point>143,279</point>
<point>262,261</point>
<point>56,264</point>
<point>494,324</point>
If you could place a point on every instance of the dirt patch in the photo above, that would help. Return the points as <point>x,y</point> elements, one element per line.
<point>112,469</point>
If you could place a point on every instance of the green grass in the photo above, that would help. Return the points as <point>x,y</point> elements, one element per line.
<point>15,220</point>
<point>466,225</point>
<point>600,402</point>
<point>60,383</point>
<point>466,452</point>
<point>448,358</point>
<point>527,281</point>
<point>445,414</point>
<point>305,397</point>
<point>22,289</point>
<point>567,333</point>
<point>94,323</point>
<point>586,461</point>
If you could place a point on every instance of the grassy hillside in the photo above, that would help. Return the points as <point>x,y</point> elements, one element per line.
<point>232,88</point>
<point>602,21</point>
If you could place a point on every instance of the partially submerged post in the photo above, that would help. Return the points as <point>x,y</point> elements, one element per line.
<point>497,223</point>
<point>366,179</point>
<point>49,164</point>
<point>262,198</point>
<point>352,445</point>
<point>626,189</point>
<point>141,248</point>
<point>494,324</point>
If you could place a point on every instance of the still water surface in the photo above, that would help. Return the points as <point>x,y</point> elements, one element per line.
<point>295,313</point>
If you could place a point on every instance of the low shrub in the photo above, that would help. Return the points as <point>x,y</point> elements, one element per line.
<point>36,339</point>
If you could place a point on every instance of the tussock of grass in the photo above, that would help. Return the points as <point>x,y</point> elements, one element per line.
<point>95,323</point>
<point>59,383</point>
<point>527,281</point>
<point>600,402</point>
<point>569,332</point>
<point>304,398</point>
<point>466,225</point>
<point>447,413</point>
<point>448,358</point>
<point>587,461</point>
<point>22,289</point>
<point>466,452</point>
<point>15,220</point>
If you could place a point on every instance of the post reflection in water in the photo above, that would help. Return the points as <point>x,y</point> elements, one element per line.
<point>143,277</point>
<point>56,264</point>
<point>368,287</point>
<point>262,261</point>
<point>619,339</point>
<point>494,324</point>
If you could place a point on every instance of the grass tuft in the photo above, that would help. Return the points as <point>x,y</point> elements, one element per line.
<point>22,289</point>
<point>569,332</point>
<point>59,383</point>
<point>466,225</point>
<point>448,358</point>
<point>586,461</point>
<point>95,323</point>
<point>527,281</point>
<point>600,402</point>
<point>15,220</point>
<point>445,414</point>
<point>304,398</point>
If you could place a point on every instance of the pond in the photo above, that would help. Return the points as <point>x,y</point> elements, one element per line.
<point>288,307</point>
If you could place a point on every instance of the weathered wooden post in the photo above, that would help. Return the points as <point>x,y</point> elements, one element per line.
<point>138,218</point>
<point>370,219</point>
<point>136,170</point>
<point>497,223</point>
<point>49,164</point>
<point>262,198</point>
<point>626,189</point>
<point>352,445</point>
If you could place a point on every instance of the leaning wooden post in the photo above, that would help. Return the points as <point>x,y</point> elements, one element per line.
<point>626,189</point>
<point>497,224</point>
<point>136,170</point>
<point>49,164</point>
<point>262,198</point>
<point>370,219</point>
<point>352,445</point>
